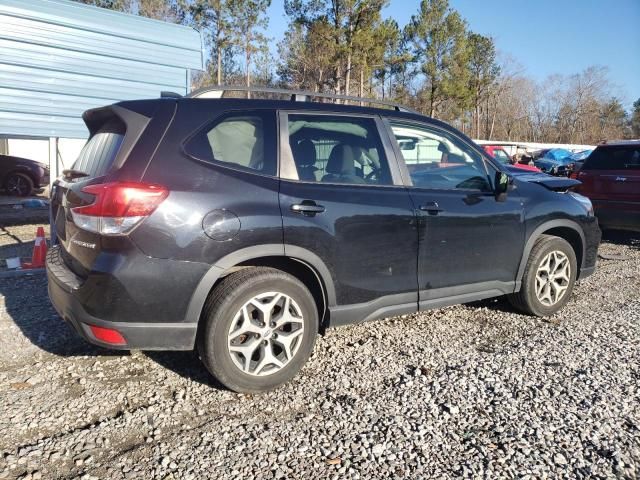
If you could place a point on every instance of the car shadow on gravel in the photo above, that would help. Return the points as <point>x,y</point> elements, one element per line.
<point>187,365</point>
<point>500,304</point>
<point>27,306</point>
<point>622,237</point>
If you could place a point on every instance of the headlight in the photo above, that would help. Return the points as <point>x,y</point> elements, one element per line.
<point>584,201</point>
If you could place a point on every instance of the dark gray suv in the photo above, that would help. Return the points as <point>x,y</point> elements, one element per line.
<point>244,227</point>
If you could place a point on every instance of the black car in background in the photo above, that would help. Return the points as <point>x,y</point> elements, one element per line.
<point>242,228</point>
<point>20,176</point>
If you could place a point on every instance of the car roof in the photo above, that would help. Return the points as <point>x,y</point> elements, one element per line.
<point>620,143</point>
<point>308,106</point>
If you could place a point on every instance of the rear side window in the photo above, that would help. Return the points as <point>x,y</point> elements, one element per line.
<point>98,154</point>
<point>243,141</point>
<point>338,149</point>
<point>614,158</point>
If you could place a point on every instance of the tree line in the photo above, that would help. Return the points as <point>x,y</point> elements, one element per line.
<point>435,64</point>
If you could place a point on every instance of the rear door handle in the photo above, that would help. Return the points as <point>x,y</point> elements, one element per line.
<point>308,208</point>
<point>432,208</point>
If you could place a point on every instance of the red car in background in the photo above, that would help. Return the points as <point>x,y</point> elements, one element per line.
<point>501,155</point>
<point>610,178</point>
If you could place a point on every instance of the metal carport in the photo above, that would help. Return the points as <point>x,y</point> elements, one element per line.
<point>59,58</point>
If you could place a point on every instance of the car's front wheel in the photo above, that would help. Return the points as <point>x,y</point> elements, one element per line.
<point>259,329</point>
<point>548,279</point>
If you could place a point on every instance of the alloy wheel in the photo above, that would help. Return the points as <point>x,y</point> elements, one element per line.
<point>265,334</point>
<point>553,278</point>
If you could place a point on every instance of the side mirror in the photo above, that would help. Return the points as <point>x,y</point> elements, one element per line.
<point>501,185</point>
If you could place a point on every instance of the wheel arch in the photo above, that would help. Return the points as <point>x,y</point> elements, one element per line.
<point>563,228</point>
<point>298,262</point>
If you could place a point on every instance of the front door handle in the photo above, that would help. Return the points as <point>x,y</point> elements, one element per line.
<point>308,208</point>
<point>432,208</point>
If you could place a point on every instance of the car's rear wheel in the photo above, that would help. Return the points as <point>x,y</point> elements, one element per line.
<point>548,277</point>
<point>18,184</point>
<point>259,329</point>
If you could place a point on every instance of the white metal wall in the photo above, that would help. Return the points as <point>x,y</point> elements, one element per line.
<point>59,58</point>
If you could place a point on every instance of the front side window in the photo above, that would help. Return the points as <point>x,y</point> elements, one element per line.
<point>237,141</point>
<point>337,149</point>
<point>437,160</point>
<point>501,156</point>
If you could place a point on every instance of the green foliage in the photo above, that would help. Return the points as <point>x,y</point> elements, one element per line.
<point>247,21</point>
<point>484,72</point>
<point>439,46</point>
<point>341,37</point>
<point>634,122</point>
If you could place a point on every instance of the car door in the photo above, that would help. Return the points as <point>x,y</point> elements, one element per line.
<point>470,244</point>
<point>343,200</point>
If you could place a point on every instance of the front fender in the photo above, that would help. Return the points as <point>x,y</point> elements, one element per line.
<point>537,232</point>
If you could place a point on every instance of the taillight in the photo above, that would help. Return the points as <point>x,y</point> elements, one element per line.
<point>118,206</point>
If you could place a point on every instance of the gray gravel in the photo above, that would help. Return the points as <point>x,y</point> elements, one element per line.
<point>469,391</point>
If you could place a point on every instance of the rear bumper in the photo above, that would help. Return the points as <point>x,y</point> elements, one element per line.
<point>64,288</point>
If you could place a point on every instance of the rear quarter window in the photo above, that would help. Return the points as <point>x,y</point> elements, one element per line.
<point>244,141</point>
<point>98,154</point>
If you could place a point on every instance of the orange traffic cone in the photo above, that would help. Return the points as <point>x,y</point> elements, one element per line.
<point>39,251</point>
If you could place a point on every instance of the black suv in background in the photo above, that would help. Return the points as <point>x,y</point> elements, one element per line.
<point>21,176</point>
<point>244,227</point>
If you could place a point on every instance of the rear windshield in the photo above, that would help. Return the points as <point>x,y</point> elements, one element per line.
<point>98,154</point>
<point>614,158</point>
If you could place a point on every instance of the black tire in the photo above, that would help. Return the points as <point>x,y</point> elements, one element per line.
<point>526,299</point>
<point>220,309</point>
<point>18,184</point>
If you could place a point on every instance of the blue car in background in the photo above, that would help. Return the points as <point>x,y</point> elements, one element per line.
<point>577,161</point>
<point>555,161</point>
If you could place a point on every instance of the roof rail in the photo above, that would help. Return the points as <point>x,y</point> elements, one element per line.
<point>294,95</point>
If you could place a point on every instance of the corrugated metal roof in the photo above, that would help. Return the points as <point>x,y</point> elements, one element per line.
<point>59,58</point>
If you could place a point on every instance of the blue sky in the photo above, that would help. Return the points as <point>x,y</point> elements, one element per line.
<point>544,36</point>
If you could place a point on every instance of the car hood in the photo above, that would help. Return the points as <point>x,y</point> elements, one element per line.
<point>557,184</point>
<point>19,161</point>
<point>550,161</point>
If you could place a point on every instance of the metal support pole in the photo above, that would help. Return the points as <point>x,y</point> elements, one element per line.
<point>53,174</point>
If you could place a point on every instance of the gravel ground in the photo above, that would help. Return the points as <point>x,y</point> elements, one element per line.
<point>468,391</point>
<point>18,240</point>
